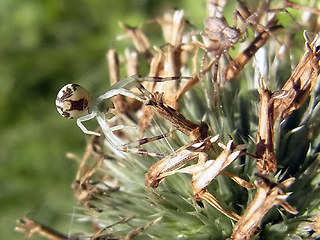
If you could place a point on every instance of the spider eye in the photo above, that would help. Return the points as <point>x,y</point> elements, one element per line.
<point>72,100</point>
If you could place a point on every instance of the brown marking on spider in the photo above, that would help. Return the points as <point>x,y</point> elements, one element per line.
<point>72,100</point>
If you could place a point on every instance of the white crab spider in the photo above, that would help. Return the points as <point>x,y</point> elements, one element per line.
<point>73,101</point>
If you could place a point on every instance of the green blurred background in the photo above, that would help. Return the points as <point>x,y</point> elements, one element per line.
<point>44,45</point>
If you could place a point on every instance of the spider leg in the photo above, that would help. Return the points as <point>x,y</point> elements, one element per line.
<point>162,79</point>
<point>86,118</point>
<point>148,140</point>
<point>120,127</point>
<point>121,91</point>
<point>116,142</point>
<point>135,80</point>
<point>110,136</point>
<point>131,81</point>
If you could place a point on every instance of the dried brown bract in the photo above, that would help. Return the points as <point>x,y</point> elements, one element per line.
<point>282,103</point>
<point>122,103</point>
<point>165,61</point>
<point>219,38</point>
<point>86,189</point>
<point>266,157</point>
<point>139,40</point>
<point>315,224</point>
<point>203,172</point>
<point>268,194</point>
<point>184,155</point>
<point>30,227</point>
<point>196,132</point>
<point>113,60</point>
<point>289,4</point>
<point>301,81</point>
<point>236,65</point>
<point>132,234</point>
<point>169,61</point>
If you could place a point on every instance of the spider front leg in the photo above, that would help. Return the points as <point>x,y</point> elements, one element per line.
<point>124,92</point>
<point>122,87</point>
<point>87,118</point>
